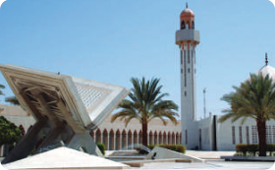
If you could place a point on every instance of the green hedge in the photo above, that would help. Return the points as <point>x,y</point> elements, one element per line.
<point>251,149</point>
<point>177,148</point>
<point>101,147</point>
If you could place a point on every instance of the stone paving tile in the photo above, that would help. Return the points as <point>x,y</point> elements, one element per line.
<point>210,165</point>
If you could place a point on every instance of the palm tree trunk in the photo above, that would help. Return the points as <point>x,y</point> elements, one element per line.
<point>261,126</point>
<point>144,134</point>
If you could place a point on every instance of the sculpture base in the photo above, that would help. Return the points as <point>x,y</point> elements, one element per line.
<point>64,158</point>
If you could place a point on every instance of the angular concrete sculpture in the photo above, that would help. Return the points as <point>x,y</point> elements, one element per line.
<point>66,109</point>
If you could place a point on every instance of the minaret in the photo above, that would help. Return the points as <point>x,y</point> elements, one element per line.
<point>187,38</point>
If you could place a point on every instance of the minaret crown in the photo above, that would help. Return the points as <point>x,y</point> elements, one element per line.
<point>187,18</point>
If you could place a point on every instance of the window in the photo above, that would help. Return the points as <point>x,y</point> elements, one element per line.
<point>268,135</point>
<point>185,136</point>
<point>233,135</point>
<point>254,135</point>
<point>240,134</point>
<point>185,93</point>
<point>185,79</point>
<point>193,25</point>
<point>247,135</point>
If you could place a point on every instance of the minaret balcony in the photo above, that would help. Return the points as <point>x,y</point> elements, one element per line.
<point>187,35</point>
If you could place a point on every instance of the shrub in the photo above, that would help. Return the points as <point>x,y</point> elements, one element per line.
<point>177,148</point>
<point>101,147</point>
<point>253,148</point>
<point>151,146</point>
<point>241,148</point>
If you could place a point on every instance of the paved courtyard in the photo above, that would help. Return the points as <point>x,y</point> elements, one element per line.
<point>210,165</point>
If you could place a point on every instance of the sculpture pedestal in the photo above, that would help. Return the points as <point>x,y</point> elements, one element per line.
<point>64,158</point>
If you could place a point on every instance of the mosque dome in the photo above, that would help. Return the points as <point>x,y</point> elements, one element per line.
<point>267,70</point>
<point>187,12</point>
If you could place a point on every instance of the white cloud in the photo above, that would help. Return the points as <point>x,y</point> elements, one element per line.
<point>0,4</point>
<point>1,168</point>
<point>273,168</point>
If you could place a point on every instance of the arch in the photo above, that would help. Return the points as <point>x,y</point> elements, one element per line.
<point>98,136</point>
<point>156,137</point>
<point>140,137</point>
<point>130,138</point>
<point>124,138</point>
<point>182,25</point>
<point>105,139</point>
<point>135,137</point>
<point>173,138</point>
<point>111,140</point>
<point>118,145</point>
<point>169,138</point>
<point>193,25</point>
<point>177,138</point>
<point>160,138</point>
<point>187,25</point>
<point>92,133</point>
<point>151,138</point>
<point>164,138</point>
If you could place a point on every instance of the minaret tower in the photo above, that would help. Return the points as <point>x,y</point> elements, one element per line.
<point>187,38</point>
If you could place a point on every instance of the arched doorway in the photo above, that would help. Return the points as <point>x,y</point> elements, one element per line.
<point>173,138</point>
<point>178,138</point>
<point>164,138</point>
<point>169,138</point>
<point>160,138</point>
<point>130,138</point>
<point>105,139</point>
<point>156,137</point>
<point>98,136</point>
<point>118,145</point>
<point>124,137</point>
<point>150,137</point>
<point>135,137</point>
<point>111,140</point>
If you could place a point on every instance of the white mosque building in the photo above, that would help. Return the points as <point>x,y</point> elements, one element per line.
<point>208,133</point>
<point>205,134</point>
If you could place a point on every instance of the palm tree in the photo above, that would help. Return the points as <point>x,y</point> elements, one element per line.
<point>255,99</point>
<point>146,103</point>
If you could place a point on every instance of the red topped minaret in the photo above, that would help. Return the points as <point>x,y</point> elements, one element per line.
<point>187,38</point>
<point>187,19</point>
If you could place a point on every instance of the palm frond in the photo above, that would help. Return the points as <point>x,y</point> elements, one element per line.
<point>255,98</point>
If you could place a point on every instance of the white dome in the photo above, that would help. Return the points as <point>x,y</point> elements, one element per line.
<point>267,70</point>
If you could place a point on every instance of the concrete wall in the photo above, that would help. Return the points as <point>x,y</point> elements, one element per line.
<point>205,126</point>
<point>225,134</point>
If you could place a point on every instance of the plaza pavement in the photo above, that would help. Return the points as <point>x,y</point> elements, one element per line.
<point>208,166</point>
<point>213,162</point>
<point>209,154</point>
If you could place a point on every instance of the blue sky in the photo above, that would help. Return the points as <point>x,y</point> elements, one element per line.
<point>114,40</point>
